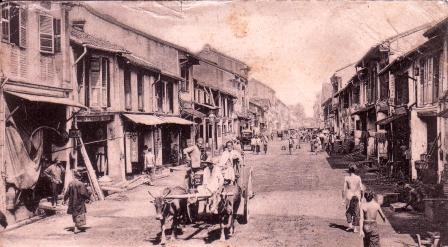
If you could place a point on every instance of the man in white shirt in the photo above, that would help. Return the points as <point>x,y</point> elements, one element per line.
<point>193,153</point>
<point>149,163</point>
<point>213,181</point>
<point>226,161</point>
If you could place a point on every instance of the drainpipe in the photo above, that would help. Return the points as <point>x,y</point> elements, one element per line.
<point>82,55</point>
<point>158,78</point>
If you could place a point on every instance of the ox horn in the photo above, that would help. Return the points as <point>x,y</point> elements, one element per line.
<point>167,193</point>
<point>151,194</point>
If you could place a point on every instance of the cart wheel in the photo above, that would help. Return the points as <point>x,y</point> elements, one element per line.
<point>246,214</point>
<point>247,196</point>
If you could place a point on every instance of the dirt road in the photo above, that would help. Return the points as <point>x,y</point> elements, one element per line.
<point>297,203</point>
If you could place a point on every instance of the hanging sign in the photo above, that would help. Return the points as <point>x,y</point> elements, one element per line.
<point>133,145</point>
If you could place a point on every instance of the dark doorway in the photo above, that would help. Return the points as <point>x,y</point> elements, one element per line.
<point>94,136</point>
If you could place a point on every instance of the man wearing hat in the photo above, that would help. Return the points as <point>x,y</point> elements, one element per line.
<point>77,195</point>
<point>213,180</point>
<point>55,172</point>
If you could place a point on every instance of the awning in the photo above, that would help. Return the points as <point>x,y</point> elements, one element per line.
<point>363,109</point>
<point>427,111</point>
<point>176,120</point>
<point>390,119</point>
<point>207,106</point>
<point>193,112</point>
<point>47,99</point>
<point>144,119</point>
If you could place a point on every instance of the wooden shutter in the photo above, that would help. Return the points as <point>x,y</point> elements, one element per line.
<point>5,22</point>
<point>105,81</point>
<point>95,83</point>
<point>14,27</point>
<point>127,89</point>
<point>57,34</point>
<point>140,94</point>
<point>46,34</point>
<point>22,27</point>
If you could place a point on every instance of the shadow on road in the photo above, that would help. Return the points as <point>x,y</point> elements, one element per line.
<point>337,162</point>
<point>337,226</point>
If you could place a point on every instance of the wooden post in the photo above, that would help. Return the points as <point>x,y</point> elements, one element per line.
<point>91,172</point>
<point>2,152</point>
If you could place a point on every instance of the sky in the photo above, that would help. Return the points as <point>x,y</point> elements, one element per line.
<point>292,46</point>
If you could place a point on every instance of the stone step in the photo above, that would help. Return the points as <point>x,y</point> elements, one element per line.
<point>397,207</point>
<point>389,198</point>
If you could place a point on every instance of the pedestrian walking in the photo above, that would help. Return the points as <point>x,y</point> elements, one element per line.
<point>352,196</point>
<point>369,227</point>
<point>290,144</point>
<point>77,194</point>
<point>149,164</point>
<point>253,144</point>
<point>264,141</point>
<point>257,144</point>
<point>55,173</point>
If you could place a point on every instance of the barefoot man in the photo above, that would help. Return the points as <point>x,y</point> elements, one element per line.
<point>352,195</point>
<point>369,228</point>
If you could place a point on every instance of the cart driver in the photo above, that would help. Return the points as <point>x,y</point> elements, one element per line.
<point>213,181</point>
<point>195,154</point>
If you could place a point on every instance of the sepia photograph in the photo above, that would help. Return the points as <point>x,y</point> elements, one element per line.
<point>224,123</point>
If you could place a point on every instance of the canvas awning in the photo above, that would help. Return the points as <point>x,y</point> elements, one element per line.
<point>363,109</point>
<point>176,120</point>
<point>193,112</point>
<point>390,119</point>
<point>144,119</point>
<point>47,99</point>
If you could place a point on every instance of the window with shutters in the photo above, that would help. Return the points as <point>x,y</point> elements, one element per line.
<point>46,34</point>
<point>185,74</point>
<point>127,88</point>
<point>140,91</point>
<point>14,21</point>
<point>99,81</point>
<point>170,96</point>
<point>429,79</point>
<point>95,82</point>
<point>105,82</point>
<point>57,34</point>
<point>5,22</point>
<point>160,94</point>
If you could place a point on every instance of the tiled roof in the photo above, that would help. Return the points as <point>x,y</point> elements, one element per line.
<point>203,84</point>
<point>433,29</point>
<point>140,62</point>
<point>82,38</point>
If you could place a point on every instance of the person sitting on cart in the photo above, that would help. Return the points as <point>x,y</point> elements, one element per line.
<point>213,181</point>
<point>229,156</point>
<point>195,154</point>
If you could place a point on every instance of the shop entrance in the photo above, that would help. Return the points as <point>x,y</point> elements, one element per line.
<point>94,136</point>
<point>170,142</point>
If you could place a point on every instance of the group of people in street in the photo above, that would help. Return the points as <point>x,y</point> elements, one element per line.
<point>259,141</point>
<point>220,171</point>
<point>361,209</point>
<point>77,193</point>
